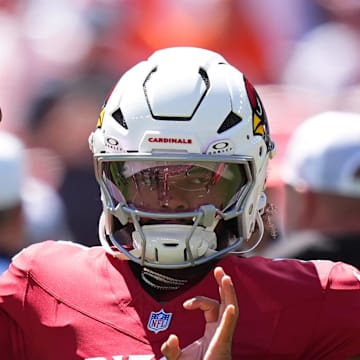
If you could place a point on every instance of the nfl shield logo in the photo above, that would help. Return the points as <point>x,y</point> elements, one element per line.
<point>159,321</point>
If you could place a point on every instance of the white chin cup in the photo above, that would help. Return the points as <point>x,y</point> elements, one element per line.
<point>166,244</point>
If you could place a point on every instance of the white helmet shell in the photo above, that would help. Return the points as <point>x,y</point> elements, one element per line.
<point>188,103</point>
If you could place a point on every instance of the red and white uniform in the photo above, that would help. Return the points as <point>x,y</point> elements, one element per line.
<point>62,301</point>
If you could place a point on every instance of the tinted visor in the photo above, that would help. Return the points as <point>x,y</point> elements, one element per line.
<point>165,186</point>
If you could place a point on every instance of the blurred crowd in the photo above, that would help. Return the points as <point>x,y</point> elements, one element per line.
<point>59,58</point>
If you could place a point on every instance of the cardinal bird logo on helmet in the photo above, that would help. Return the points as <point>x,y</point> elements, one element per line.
<point>260,122</point>
<point>102,110</point>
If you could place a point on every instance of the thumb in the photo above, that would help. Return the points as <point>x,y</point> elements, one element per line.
<point>170,348</point>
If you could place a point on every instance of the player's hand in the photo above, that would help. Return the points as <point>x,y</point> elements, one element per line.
<point>220,325</point>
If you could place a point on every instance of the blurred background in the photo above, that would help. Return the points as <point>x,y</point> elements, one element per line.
<point>59,58</point>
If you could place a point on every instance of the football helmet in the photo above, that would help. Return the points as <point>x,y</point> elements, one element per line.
<point>180,152</point>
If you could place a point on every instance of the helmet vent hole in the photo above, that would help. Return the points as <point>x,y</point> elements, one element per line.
<point>260,151</point>
<point>118,116</point>
<point>231,120</point>
<point>185,255</point>
<point>205,77</point>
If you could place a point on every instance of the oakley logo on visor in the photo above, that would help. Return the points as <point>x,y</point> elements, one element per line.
<point>220,147</point>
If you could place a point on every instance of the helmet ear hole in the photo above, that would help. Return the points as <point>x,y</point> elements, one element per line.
<point>116,224</point>
<point>123,233</point>
<point>225,231</point>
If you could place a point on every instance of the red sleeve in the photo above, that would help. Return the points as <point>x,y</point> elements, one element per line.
<point>5,337</point>
<point>14,282</point>
<point>11,339</point>
<point>13,287</point>
<point>339,320</point>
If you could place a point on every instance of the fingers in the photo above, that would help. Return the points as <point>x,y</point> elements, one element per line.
<point>170,348</point>
<point>210,307</point>
<point>226,288</point>
<point>220,345</point>
<point>227,324</point>
<point>229,304</point>
<point>220,319</point>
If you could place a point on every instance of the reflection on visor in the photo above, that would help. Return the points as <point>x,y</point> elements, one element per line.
<point>165,186</point>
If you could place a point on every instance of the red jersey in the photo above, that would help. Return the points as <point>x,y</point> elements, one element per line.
<point>62,301</point>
